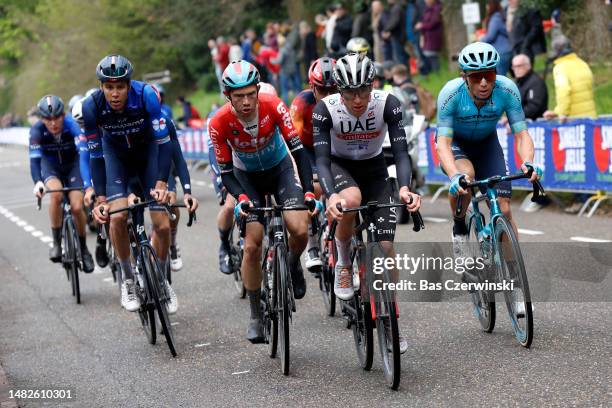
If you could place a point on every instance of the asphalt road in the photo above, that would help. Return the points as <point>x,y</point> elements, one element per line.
<point>99,352</point>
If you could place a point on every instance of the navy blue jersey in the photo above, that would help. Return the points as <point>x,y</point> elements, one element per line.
<point>141,122</point>
<point>57,150</point>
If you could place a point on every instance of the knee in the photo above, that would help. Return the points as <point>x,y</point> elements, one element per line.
<point>162,226</point>
<point>76,206</point>
<point>252,250</point>
<point>352,201</point>
<point>119,220</point>
<point>55,198</point>
<point>504,206</point>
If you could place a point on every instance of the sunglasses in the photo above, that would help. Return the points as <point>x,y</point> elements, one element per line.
<point>353,93</point>
<point>477,77</point>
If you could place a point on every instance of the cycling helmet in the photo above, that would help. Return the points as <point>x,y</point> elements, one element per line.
<point>77,112</point>
<point>50,106</point>
<point>380,71</point>
<point>478,55</point>
<point>239,74</point>
<point>114,68</point>
<point>74,100</point>
<point>320,73</point>
<point>357,44</point>
<point>354,71</point>
<point>91,91</point>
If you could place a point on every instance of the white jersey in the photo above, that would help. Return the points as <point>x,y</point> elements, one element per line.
<point>357,138</point>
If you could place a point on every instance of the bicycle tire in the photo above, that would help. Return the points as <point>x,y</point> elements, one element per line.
<point>386,310</point>
<point>483,302</point>
<point>152,272</point>
<point>363,329</point>
<point>284,308</point>
<point>146,313</point>
<point>523,332</point>
<point>71,260</point>
<point>326,275</point>
<point>270,316</point>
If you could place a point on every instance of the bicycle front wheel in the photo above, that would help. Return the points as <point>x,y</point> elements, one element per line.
<point>509,260</point>
<point>270,316</point>
<point>284,309</point>
<point>146,313</point>
<point>482,300</point>
<point>326,275</point>
<point>71,258</point>
<point>362,326</point>
<point>153,273</point>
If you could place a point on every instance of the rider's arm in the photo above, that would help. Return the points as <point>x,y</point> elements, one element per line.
<point>393,118</point>
<point>159,128</point>
<point>291,136</point>
<point>94,145</point>
<point>179,161</point>
<point>223,154</point>
<point>444,130</point>
<point>35,154</point>
<point>81,143</point>
<point>321,125</point>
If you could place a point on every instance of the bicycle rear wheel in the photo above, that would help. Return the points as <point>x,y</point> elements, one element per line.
<point>483,301</point>
<point>283,307</point>
<point>512,268</point>
<point>146,313</point>
<point>153,274</point>
<point>362,326</point>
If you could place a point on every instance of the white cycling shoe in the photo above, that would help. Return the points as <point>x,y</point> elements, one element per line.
<point>312,259</point>
<point>176,262</point>
<point>172,301</point>
<point>343,282</point>
<point>129,299</point>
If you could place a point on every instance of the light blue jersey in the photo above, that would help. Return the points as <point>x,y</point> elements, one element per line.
<point>458,116</point>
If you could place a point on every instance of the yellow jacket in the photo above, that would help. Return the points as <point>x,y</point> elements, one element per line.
<point>573,87</point>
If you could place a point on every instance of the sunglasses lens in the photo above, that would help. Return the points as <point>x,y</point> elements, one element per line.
<point>477,77</point>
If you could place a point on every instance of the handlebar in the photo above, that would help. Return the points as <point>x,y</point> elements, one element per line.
<point>372,206</point>
<point>57,190</point>
<point>192,215</point>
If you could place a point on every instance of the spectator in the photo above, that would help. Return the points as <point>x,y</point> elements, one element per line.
<point>497,35</point>
<point>414,12</point>
<point>309,44</point>
<point>525,28</point>
<point>534,95</point>
<point>289,77</point>
<point>246,45</point>
<point>270,36</point>
<point>377,9</point>
<point>330,25</point>
<point>214,53</point>
<point>395,31</point>
<point>408,95</point>
<point>383,21</point>
<point>265,59</point>
<point>235,51</point>
<point>573,83</point>
<point>223,53</point>
<point>379,77</point>
<point>431,28</point>
<point>342,31</point>
<point>362,24</point>
<point>189,112</point>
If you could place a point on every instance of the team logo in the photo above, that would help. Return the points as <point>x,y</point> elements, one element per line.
<point>159,124</point>
<point>602,144</point>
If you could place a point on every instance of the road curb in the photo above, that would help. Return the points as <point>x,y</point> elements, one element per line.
<point>5,386</point>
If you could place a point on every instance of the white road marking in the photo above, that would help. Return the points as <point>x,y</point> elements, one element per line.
<point>202,345</point>
<point>199,183</point>
<point>15,218</point>
<point>174,324</point>
<point>29,228</point>
<point>530,232</point>
<point>22,223</point>
<point>587,239</point>
<point>435,219</point>
<point>46,238</point>
<point>241,372</point>
<point>108,280</point>
<point>8,214</point>
<point>37,234</point>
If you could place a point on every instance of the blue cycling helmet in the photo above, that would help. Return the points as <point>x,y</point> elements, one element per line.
<point>114,68</point>
<point>239,74</point>
<point>478,55</point>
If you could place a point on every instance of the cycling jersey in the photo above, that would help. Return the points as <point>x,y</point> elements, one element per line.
<point>301,115</point>
<point>258,145</point>
<point>458,115</point>
<point>339,134</point>
<point>56,151</point>
<point>140,122</point>
<point>166,111</point>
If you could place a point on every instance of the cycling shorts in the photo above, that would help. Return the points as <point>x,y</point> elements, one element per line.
<point>487,157</point>
<point>279,180</point>
<point>370,176</point>
<point>69,174</point>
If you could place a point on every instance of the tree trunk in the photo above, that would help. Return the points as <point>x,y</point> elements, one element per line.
<point>589,33</point>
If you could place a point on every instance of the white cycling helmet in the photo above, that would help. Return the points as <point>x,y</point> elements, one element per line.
<point>92,90</point>
<point>478,55</point>
<point>77,112</point>
<point>354,71</point>
<point>74,100</point>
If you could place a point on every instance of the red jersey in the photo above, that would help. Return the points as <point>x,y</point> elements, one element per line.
<point>301,114</point>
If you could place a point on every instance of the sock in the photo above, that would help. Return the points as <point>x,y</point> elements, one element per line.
<point>459,228</point>
<point>83,243</point>
<point>344,254</point>
<point>126,268</point>
<point>224,236</point>
<point>254,301</point>
<point>165,265</point>
<point>173,232</point>
<point>57,236</point>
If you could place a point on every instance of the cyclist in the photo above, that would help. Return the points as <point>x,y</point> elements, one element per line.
<point>468,111</point>
<point>54,164</point>
<point>358,45</point>
<point>128,136</point>
<point>349,130</point>
<point>321,85</point>
<point>247,135</point>
<point>165,108</point>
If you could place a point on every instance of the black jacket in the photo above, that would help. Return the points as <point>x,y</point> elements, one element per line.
<point>396,24</point>
<point>342,33</point>
<point>527,36</point>
<point>534,95</point>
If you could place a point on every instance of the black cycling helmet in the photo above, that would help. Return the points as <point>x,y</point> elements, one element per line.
<point>114,68</point>
<point>50,106</point>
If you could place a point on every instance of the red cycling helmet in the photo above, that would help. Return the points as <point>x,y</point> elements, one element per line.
<point>320,73</point>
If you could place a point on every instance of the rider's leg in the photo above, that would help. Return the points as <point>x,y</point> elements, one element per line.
<point>224,224</point>
<point>464,166</point>
<point>251,276</point>
<point>120,238</point>
<point>55,209</point>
